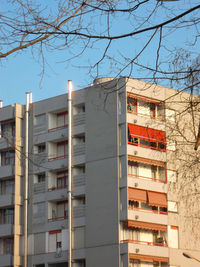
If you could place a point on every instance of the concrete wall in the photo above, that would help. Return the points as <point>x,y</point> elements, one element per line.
<point>102,193</point>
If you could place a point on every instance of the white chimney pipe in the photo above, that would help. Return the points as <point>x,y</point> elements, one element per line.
<point>69,174</point>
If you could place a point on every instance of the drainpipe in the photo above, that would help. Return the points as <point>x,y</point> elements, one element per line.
<point>69,174</point>
<point>1,105</point>
<point>26,181</point>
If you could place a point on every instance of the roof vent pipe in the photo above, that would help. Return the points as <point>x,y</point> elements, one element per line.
<point>30,98</point>
<point>1,103</point>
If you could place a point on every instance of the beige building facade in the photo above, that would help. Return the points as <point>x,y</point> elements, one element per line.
<point>134,178</point>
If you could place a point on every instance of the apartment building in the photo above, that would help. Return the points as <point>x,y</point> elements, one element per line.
<point>125,208</point>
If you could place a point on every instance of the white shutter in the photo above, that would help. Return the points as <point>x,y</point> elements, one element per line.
<point>171,176</point>
<point>170,114</point>
<point>172,206</point>
<point>52,242</point>
<point>172,237</point>
<point>145,170</point>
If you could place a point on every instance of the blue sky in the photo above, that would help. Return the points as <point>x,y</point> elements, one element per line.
<point>20,73</point>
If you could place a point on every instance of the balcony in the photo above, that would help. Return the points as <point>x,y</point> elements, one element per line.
<point>4,143</point>
<point>58,121</point>
<point>57,210</point>
<point>6,251</point>
<point>58,259</point>
<point>144,249</point>
<point>40,158</point>
<point>79,211</point>
<point>39,129</point>
<point>6,229</point>
<point>147,183</point>
<point>7,171</point>
<point>5,217</point>
<point>79,119</point>
<point>145,121</point>
<point>58,150</point>
<point>144,152</point>
<point>39,218</point>
<point>7,189</point>
<point>146,107</point>
<point>55,194</point>
<point>147,216</point>
<point>58,187</point>
<point>39,187</point>
<point>7,129</point>
<point>159,242</point>
<point>6,200</point>
<point>79,180</point>
<point>79,149</point>
<point>6,260</point>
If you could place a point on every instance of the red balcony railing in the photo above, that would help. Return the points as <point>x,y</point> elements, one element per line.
<point>57,187</point>
<point>57,218</point>
<point>58,157</point>
<point>57,128</point>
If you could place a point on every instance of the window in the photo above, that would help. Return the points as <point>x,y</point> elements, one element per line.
<point>132,105</point>
<point>146,137</point>
<point>62,119</point>
<point>62,148</point>
<point>40,119</point>
<point>41,148</point>
<point>6,246</point>
<point>7,128</point>
<point>58,150</point>
<point>133,168</point>
<point>59,210</point>
<point>147,200</point>
<point>78,109</point>
<point>62,209</point>
<point>152,110</point>
<point>55,240</point>
<point>79,201</point>
<point>158,173</point>
<point>150,262</point>
<point>146,171</point>
<point>160,112</point>
<point>7,216</point>
<point>40,177</point>
<point>79,140</point>
<point>8,158</point>
<point>145,106</point>
<point>134,263</point>
<point>7,186</point>
<point>147,236</point>
<point>61,179</point>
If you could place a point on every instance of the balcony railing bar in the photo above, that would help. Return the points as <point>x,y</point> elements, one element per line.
<point>154,179</point>
<point>58,157</point>
<point>57,128</point>
<point>145,243</point>
<point>148,210</point>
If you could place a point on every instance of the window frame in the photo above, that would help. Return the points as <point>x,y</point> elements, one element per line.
<point>7,158</point>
